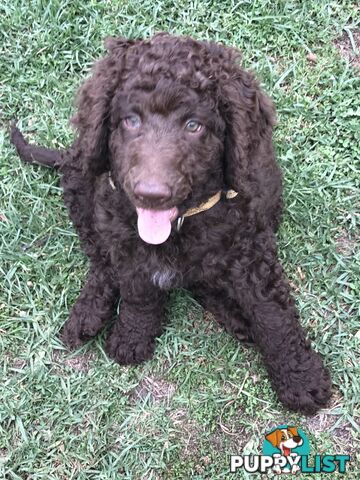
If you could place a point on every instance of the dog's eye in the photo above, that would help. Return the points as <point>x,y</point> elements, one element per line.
<point>193,126</point>
<point>132,123</point>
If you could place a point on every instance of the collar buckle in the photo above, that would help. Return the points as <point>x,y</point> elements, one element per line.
<point>111,181</point>
<point>179,223</point>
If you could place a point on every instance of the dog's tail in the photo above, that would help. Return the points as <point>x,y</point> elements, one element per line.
<point>33,153</point>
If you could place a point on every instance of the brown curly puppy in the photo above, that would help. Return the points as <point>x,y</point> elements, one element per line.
<point>172,181</point>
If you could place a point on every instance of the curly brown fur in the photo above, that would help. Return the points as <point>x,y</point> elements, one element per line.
<point>131,120</point>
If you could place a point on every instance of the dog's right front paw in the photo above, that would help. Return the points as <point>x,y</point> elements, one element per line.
<point>80,327</point>
<point>70,337</point>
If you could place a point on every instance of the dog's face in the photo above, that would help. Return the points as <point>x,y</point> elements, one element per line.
<point>285,439</point>
<point>166,144</point>
<point>167,140</point>
<point>175,120</point>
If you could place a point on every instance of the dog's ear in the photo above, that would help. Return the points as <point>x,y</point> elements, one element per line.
<point>249,116</point>
<point>93,105</point>
<point>274,438</point>
<point>293,431</point>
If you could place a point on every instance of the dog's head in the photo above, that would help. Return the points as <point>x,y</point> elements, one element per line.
<point>175,120</point>
<point>285,439</point>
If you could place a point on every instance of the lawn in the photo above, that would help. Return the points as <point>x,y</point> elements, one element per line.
<point>77,415</point>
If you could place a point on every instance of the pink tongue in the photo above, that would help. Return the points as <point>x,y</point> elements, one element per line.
<point>154,226</point>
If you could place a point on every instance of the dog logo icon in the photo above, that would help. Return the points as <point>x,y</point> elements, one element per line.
<point>286,441</point>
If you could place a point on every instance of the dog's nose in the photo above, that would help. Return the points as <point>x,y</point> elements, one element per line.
<point>152,191</point>
<point>297,439</point>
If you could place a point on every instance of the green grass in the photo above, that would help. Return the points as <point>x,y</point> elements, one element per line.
<point>203,397</point>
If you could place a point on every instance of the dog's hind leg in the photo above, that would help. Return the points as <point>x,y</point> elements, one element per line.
<point>260,287</point>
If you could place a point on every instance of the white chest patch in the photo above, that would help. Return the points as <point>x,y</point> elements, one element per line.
<point>164,278</point>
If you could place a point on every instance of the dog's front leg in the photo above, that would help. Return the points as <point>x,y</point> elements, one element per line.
<point>142,310</point>
<point>296,370</point>
<point>93,308</point>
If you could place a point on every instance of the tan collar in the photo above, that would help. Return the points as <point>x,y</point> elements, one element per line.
<point>209,203</point>
<point>213,200</point>
<point>205,206</point>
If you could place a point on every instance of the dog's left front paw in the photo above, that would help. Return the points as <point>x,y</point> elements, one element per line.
<point>129,352</point>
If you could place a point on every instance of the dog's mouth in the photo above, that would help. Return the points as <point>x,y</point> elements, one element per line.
<point>286,451</point>
<point>154,226</point>
<point>155,214</point>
